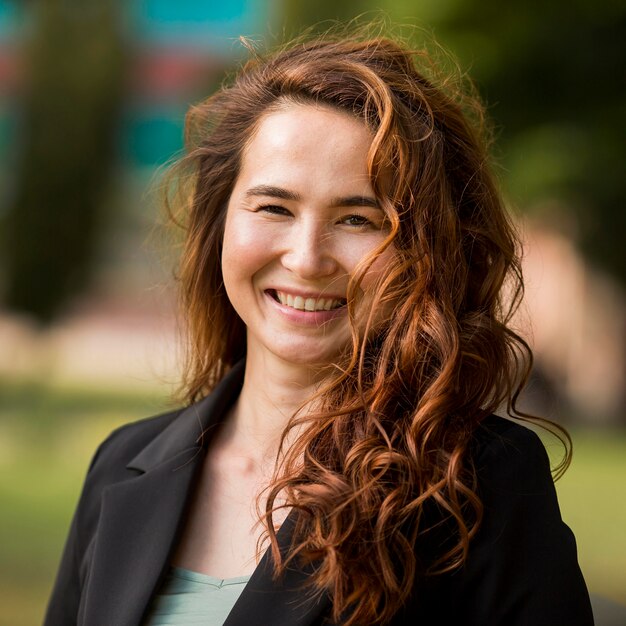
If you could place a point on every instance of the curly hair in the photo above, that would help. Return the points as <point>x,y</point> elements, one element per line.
<point>385,456</point>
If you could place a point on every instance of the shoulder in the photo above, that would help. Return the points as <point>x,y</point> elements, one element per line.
<point>109,463</point>
<point>108,467</point>
<point>125,442</point>
<point>506,453</point>
<point>513,479</point>
<point>498,434</point>
<point>522,565</point>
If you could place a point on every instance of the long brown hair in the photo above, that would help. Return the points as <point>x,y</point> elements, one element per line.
<point>386,457</point>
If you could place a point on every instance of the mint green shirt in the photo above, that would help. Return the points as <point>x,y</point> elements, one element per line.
<point>187,598</point>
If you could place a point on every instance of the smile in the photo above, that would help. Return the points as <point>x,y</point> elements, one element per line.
<point>301,303</point>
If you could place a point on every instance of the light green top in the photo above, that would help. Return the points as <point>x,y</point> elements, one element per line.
<point>187,597</point>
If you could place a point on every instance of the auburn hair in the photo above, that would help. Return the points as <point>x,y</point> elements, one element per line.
<point>385,458</point>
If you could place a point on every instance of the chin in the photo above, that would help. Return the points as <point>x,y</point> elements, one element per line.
<point>305,355</point>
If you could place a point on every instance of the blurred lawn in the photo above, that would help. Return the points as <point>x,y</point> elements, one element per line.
<point>47,437</point>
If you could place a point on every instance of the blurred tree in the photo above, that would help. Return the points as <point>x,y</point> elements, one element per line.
<point>67,139</point>
<point>300,15</point>
<point>552,74</point>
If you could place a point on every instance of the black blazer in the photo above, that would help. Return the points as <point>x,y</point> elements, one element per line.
<point>522,568</point>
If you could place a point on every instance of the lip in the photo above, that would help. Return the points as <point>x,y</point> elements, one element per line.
<point>305,318</point>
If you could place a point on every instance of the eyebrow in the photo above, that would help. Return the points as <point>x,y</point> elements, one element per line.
<point>285,194</point>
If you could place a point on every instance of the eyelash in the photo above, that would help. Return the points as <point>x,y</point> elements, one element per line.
<point>274,209</point>
<point>363,221</point>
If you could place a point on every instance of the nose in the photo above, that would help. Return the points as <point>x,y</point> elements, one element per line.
<point>309,250</point>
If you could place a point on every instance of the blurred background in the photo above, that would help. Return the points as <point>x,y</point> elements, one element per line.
<point>92,102</point>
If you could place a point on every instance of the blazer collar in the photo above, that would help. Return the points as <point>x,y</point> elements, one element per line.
<point>287,601</point>
<point>194,426</point>
<point>140,520</point>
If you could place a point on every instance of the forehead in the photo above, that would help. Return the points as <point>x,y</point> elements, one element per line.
<point>317,138</point>
<point>310,115</point>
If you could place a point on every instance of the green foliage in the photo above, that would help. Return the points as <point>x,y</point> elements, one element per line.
<point>551,72</point>
<point>67,135</point>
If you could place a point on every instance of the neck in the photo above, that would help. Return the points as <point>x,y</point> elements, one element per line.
<point>272,392</point>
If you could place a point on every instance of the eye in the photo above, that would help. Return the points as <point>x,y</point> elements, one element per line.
<point>356,220</point>
<point>273,209</point>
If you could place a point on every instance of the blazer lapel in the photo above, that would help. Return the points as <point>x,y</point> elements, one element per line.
<point>286,601</point>
<point>140,517</point>
<point>139,521</point>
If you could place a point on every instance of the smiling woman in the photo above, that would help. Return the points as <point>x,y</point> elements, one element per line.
<point>338,461</point>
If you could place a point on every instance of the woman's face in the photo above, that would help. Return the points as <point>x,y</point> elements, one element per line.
<point>301,216</point>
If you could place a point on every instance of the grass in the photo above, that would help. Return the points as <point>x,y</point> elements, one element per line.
<point>593,503</point>
<point>48,435</point>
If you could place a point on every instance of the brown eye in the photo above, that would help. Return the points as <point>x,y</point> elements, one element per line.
<point>356,220</point>
<point>273,209</point>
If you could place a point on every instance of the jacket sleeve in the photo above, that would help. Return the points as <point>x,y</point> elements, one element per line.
<point>64,602</point>
<point>522,569</point>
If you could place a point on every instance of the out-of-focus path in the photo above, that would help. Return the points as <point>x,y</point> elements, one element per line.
<point>103,342</point>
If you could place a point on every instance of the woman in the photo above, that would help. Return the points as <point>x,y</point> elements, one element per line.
<point>342,280</point>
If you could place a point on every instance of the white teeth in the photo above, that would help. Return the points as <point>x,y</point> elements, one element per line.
<point>307,304</point>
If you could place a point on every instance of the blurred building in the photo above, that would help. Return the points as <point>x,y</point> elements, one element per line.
<point>179,49</point>
<point>9,76</point>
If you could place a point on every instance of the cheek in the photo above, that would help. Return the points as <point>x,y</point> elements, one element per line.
<point>378,273</point>
<point>244,252</point>
<point>238,238</point>
<point>378,270</point>
<point>236,243</point>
